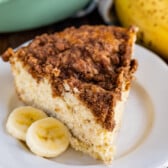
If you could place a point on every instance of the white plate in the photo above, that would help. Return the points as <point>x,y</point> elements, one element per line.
<point>143,138</point>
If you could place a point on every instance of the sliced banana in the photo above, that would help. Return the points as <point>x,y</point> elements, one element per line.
<point>21,118</point>
<point>47,137</point>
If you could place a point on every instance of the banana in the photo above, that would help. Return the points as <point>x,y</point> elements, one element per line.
<point>47,137</point>
<point>21,118</point>
<point>151,17</point>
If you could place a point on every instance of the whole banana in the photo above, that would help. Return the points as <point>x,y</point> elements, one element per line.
<point>151,17</point>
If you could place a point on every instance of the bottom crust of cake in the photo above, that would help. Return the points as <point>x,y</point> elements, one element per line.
<point>86,134</point>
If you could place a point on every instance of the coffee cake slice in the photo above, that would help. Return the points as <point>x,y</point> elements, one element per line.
<point>81,76</point>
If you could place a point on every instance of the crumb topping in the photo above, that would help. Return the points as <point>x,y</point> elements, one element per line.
<point>94,59</point>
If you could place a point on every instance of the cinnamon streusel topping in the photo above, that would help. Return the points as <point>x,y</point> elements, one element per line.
<point>94,59</point>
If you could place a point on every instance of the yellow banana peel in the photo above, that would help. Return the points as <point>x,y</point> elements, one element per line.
<point>151,17</point>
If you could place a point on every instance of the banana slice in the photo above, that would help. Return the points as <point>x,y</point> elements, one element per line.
<point>47,137</point>
<point>21,118</point>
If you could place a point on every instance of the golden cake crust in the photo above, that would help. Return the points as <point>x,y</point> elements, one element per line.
<point>93,59</point>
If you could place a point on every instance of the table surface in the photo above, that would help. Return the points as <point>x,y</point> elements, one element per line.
<point>17,38</point>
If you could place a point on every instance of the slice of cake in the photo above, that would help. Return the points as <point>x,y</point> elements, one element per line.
<point>82,77</point>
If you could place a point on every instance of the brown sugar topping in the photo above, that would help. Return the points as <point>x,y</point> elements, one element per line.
<point>94,59</point>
